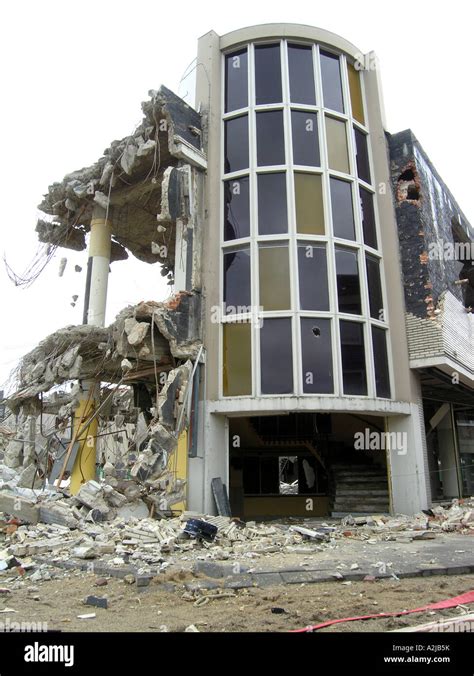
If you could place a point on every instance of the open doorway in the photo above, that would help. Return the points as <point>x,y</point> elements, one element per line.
<point>305,464</point>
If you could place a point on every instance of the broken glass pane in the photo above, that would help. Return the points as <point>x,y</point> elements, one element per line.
<point>313,277</point>
<point>382,377</point>
<point>353,358</point>
<point>309,204</point>
<point>362,156</point>
<point>276,356</point>
<point>304,127</point>
<point>338,157</point>
<point>332,85</point>
<point>375,288</point>
<point>236,208</point>
<point>342,210</point>
<point>237,280</point>
<point>267,74</point>
<point>270,138</point>
<point>300,67</point>
<point>236,80</point>
<point>316,351</point>
<point>348,286</point>
<point>237,371</point>
<point>236,144</point>
<point>368,217</point>
<point>272,208</point>
<point>274,276</point>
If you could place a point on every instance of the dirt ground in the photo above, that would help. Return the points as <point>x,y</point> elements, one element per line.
<point>155,608</point>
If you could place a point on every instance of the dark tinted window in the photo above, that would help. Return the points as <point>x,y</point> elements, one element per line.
<point>313,277</point>
<point>236,144</point>
<point>301,73</point>
<point>236,80</point>
<point>375,288</point>
<point>342,209</point>
<point>316,352</point>
<point>276,356</point>
<point>270,138</point>
<point>332,86</point>
<point>348,287</point>
<point>304,129</point>
<point>368,217</point>
<point>362,157</point>
<point>236,209</point>
<point>353,358</point>
<point>237,279</point>
<point>382,378</point>
<point>272,209</point>
<point>267,74</point>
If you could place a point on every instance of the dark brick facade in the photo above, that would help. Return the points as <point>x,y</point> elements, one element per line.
<point>425,211</point>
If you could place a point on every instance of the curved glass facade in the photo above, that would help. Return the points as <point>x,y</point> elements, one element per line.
<point>303,309</point>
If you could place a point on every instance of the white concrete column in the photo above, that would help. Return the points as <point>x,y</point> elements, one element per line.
<point>408,463</point>
<point>99,259</point>
<point>216,460</point>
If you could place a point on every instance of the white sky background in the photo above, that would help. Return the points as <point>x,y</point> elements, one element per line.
<point>73,75</point>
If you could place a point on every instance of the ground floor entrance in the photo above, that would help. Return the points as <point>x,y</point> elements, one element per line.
<point>450,443</point>
<point>307,464</point>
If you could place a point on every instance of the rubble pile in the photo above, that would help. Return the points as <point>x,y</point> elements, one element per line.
<point>146,358</point>
<point>150,336</point>
<point>91,527</point>
<point>127,181</point>
<point>458,517</point>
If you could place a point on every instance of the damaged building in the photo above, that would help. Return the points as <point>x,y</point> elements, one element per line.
<point>315,357</point>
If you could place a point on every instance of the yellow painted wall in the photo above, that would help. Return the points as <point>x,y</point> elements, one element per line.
<point>84,466</point>
<point>178,464</point>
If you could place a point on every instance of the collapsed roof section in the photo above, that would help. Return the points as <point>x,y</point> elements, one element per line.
<point>152,337</point>
<point>133,182</point>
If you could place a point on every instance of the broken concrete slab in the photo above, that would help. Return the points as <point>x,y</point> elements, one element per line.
<point>21,508</point>
<point>133,510</point>
<point>58,512</point>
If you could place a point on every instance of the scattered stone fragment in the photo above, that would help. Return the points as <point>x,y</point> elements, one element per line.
<point>96,601</point>
<point>101,582</point>
<point>84,552</point>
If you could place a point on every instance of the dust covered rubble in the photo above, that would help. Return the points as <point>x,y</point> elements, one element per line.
<point>151,545</point>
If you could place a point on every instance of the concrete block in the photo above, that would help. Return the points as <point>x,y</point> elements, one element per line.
<point>22,508</point>
<point>239,582</point>
<point>143,580</point>
<point>96,601</point>
<point>267,579</point>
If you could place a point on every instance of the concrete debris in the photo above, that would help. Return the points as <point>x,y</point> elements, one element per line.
<point>96,601</point>
<point>150,545</point>
<point>130,170</point>
<point>149,336</point>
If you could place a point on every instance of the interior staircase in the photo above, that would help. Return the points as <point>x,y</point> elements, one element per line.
<point>359,490</point>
